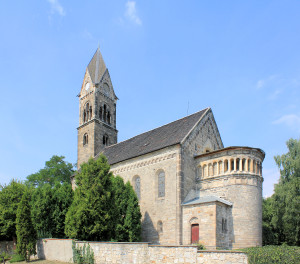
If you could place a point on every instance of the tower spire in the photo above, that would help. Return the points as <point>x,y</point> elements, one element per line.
<point>96,67</point>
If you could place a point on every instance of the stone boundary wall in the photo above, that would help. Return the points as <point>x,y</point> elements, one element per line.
<point>138,253</point>
<point>7,247</point>
<point>221,257</point>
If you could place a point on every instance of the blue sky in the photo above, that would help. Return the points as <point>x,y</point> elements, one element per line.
<point>165,58</point>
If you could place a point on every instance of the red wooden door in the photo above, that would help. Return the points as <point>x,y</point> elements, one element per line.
<point>195,233</point>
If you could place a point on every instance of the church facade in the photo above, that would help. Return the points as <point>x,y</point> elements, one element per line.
<point>191,188</point>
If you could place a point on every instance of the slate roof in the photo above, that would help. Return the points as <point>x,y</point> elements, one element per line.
<point>161,137</point>
<point>207,199</point>
<point>96,67</point>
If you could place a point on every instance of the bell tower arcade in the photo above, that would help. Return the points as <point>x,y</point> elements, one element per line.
<point>97,111</point>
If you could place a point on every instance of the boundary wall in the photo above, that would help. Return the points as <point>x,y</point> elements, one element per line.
<point>7,247</point>
<point>138,253</point>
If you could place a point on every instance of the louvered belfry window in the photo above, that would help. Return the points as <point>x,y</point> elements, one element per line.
<point>161,184</point>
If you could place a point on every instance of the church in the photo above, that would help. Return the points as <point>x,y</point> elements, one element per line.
<point>191,189</point>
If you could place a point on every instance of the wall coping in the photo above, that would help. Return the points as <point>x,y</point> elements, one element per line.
<point>221,251</point>
<point>108,242</point>
<point>182,246</point>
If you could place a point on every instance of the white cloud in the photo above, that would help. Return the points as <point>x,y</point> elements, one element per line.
<point>131,13</point>
<point>292,121</point>
<point>56,7</point>
<point>264,82</point>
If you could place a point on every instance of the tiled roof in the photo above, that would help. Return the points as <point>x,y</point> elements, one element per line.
<point>161,137</point>
<point>96,67</point>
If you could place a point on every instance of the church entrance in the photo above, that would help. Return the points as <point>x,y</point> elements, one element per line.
<point>195,234</point>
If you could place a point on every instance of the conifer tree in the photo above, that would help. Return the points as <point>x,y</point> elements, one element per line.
<point>90,216</point>
<point>133,216</point>
<point>26,234</point>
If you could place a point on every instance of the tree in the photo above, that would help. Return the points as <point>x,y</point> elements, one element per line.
<point>26,235</point>
<point>10,196</point>
<point>55,170</point>
<point>90,216</point>
<point>285,202</point>
<point>49,206</point>
<point>127,212</point>
<point>133,216</point>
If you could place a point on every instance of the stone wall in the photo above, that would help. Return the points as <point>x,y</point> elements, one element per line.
<point>7,247</point>
<point>55,249</point>
<point>155,209</point>
<point>138,253</point>
<point>221,257</point>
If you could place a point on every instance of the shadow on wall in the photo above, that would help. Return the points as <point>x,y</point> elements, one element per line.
<point>40,249</point>
<point>149,232</point>
<point>231,233</point>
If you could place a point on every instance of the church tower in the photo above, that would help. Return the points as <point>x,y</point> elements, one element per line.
<point>97,111</point>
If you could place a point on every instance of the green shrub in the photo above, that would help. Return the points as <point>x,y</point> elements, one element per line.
<point>82,255</point>
<point>273,255</point>
<point>4,256</point>
<point>16,258</point>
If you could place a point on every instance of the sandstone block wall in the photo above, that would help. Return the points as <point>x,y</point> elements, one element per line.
<point>154,208</point>
<point>205,216</point>
<point>138,253</point>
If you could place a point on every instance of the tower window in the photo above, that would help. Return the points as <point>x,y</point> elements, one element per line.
<point>104,113</point>
<point>108,117</point>
<point>224,225</point>
<point>105,140</point>
<point>85,139</point>
<point>100,113</point>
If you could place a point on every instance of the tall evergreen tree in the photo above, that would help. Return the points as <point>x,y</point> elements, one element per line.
<point>90,216</point>
<point>26,234</point>
<point>49,207</point>
<point>10,197</point>
<point>133,216</point>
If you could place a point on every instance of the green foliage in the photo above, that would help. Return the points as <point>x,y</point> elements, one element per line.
<point>4,256</point>
<point>26,235</point>
<point>90,216</point>
<point>273,255</point>
<point>281,218</point>
<point>133,216</point>
<point>82,255</point>
<point>16,258</point>
<point>10,196</point>
<point>104,208</point>
<point>55,170</point>
<point>127,212</point>
<point>49,206</point>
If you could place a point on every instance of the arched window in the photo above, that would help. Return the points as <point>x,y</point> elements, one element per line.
<point>237,162</point>
<point>225,165</point>
<point>161,184</point>
<point>104,113</point>
<point>105,140</point>
<point>90,112</point>
<point>243,164</point>
<point>232,165</point>
<point>84,115</point>
<point>137,186</point>
<point>85,139</point>
<point>159,227</point>
<point>249,165</point>
<point>215,168</point>
<point>100,113</point>
<point>108,117</point>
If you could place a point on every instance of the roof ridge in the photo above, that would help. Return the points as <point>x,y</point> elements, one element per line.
<point>158,127</point>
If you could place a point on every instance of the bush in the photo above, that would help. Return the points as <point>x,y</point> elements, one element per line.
<point>273,255</point>
<point>16,258</point>
<point>82,255</point>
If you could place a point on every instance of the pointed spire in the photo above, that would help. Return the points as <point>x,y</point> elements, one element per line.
<point>96,66</point>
